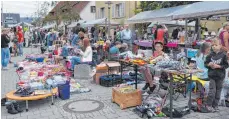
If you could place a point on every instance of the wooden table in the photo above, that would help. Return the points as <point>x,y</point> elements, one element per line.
<point>112,64</point>
<point>175,72</point>
<point>124,64</point>
<point>12,96</point>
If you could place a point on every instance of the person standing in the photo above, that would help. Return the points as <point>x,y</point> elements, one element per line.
<point>217,63</point>
<point>160,33</point>
<point>27,38</point>
<point>5,52</point>
<point>75,38</point>
<point>224,37</point>
<point>126,36</point>
<point>175,33</point>
<point>51,37</point>
<point>20,38</point>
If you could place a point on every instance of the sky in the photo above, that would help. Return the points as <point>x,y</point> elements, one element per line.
<point>24,8</point>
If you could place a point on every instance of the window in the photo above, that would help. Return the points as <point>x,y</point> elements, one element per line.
<point>118,10</point>
<point>93,9</point>
<point>102,12</point>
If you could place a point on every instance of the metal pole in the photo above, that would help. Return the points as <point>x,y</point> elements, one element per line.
<point>109,22</point>
<point>2,15</point>
<point>186,30</point>
<point>27,105</point>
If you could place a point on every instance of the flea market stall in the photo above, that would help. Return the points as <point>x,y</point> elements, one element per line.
<point>185,12</point>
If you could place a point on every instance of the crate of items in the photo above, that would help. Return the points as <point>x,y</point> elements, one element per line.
<point>110,80</point>
<point>126,97</point>
<point>101,70</point>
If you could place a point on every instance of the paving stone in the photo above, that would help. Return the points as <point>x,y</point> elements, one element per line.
<point>112,116</point>
<point>35,116</point>
<point>42,109</point>
<point>133,116</point>
<point>13,116</point>
<point>24,117</point>
<point>100,117</point>
<point>46,114</point>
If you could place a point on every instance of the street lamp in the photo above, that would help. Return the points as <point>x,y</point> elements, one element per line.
<point>109,22</point>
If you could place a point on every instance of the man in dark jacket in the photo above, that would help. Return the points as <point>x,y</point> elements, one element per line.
<point>216,62</point>
<point>5,51</point>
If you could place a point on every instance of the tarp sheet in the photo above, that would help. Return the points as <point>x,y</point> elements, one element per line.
<point>198,9</point>
<point>102,21</point>
<point>161,15</point>
<point>174,22</point>
<point>202,9</point>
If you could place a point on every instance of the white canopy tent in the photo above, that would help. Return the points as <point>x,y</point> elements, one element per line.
<point>73,24</point>
<point>161,15</point>
<point>202,9</point>
<point>22,23</point>
<point>49,26</point>
<point>174,23</point>
<point>102,21</point>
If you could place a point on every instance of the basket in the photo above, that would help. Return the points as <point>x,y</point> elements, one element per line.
<point>110,80</point>
<point>126,100</point>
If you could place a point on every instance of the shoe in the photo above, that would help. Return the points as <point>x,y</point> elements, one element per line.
<point>151,89</point>
<point>216,109</point>
<point>12,110</point>
<point>17,107</point>
<point>146,86</point>
<point>3,101</point>
<point>207,109</point>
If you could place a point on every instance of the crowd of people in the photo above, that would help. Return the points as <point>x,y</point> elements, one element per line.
<point>212,57</point>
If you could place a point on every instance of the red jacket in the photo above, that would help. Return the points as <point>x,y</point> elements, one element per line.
<point>20,36</point>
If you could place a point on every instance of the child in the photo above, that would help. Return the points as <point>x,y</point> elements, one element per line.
<point>114,51</point>
<point>216,62</point>
<point>200,58</point>
<point>158,55</point>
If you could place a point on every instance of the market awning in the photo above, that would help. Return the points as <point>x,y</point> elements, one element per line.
<point>49,26</point>
<point>73,24</point>
<point>21,23</point>
<point>174,22</point>
<point>102,21</point>
<point>160,15</point>
<point>202,9</point>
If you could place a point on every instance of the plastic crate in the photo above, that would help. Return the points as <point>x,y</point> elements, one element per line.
<point>110,80</point>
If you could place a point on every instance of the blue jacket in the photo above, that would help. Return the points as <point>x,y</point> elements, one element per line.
<point>200,65</point>
<point>74,39</point>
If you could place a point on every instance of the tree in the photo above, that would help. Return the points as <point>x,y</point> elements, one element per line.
<point>63,11</point>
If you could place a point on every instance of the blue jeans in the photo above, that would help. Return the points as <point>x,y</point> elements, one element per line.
<point>5,56</point>
<point>77,60</point>
<point>20,48</point>
<point>74,61</point>
<point>50,43</point>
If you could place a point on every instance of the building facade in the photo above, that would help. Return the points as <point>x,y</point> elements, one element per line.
<point>9,19</point>
<point>119,10</point>
<point>88,12</point>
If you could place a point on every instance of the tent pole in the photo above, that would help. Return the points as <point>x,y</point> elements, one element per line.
<point>186,29</point>
<point>199,29</point>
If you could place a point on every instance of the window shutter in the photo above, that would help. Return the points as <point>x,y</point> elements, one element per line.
<point>98,16</point>
<point>123,9</point>
<point>113,11</point>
